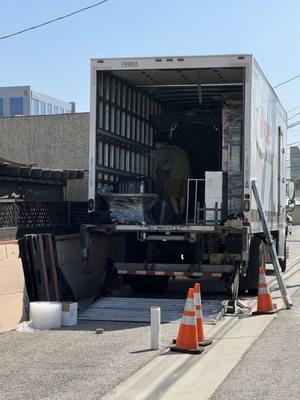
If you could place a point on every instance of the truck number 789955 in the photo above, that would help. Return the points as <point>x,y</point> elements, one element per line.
<point>129,64</point>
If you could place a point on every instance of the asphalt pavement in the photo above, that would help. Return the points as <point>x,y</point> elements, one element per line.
<point>270,369</point>
<point>173,376</point>
<point>74,363</point>
<point>251,358</point>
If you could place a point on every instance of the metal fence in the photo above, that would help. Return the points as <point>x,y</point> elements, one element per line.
<point>31,214</point>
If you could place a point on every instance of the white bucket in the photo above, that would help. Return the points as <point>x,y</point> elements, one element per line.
<point>45,314</point>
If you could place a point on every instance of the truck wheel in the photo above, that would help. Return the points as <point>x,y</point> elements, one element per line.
<point>283,261</point>
<point>149,284</point>
<point>257,258</point>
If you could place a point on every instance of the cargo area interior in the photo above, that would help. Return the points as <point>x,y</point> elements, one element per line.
<point>198,110</point>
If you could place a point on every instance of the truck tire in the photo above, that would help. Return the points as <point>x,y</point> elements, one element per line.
<point>257,258</point>
<point>283,261</point>
<point>149,284</point>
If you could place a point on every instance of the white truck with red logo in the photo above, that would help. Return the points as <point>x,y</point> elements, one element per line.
<point>222,112</point>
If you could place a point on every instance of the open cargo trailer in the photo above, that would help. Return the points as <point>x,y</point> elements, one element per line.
<point>222,111</point>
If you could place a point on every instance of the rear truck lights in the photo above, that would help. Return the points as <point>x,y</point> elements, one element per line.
<point>246,211</point>
<point>169,59</point>
<point>91,205</point>
<point>246,220</point>
<point>246,205</point>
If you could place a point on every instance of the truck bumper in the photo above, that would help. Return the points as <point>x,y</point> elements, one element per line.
<point>187,270</point>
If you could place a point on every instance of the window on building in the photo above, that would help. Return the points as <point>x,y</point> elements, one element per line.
<point>49,108</point>
<point>61,110</point>
<point>35,106</point>
<point>43,107</point>
<point>16,105</point>
<point>1,108</point>
<point>55,110</point>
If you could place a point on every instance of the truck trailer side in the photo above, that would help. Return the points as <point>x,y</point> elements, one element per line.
<point>223,114</point>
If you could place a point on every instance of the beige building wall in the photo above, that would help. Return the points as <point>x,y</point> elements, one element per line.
<point>86,279</point>
<point>51,141</point>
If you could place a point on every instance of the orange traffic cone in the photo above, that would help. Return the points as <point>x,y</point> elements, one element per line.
<point>187,338</point>
<point>199,317</point>
<point>265,303</point>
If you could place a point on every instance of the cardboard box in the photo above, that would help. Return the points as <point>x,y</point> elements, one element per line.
<point>12,288</point>
<point>69,313</point>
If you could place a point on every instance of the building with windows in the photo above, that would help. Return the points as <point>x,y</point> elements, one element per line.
<point>294,162</point>
<point>22,100</point>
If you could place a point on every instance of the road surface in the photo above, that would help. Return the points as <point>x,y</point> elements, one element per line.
<point>254,356</point>
<point>240,364</point>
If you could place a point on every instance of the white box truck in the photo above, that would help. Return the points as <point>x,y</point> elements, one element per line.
<point>222,114</point>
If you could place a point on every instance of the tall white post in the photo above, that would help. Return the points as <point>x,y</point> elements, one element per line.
<point>155,328</point>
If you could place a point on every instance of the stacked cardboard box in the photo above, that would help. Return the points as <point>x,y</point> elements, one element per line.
<point>12,286</point>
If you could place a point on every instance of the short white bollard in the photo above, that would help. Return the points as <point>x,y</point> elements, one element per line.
<point>155,328</point>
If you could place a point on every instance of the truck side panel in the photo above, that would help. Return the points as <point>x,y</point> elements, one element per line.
<point>268,132</point>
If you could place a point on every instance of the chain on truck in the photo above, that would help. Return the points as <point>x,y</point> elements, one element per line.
<point>223,114</point>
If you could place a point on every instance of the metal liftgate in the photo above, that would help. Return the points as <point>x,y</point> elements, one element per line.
<point>201,216</point>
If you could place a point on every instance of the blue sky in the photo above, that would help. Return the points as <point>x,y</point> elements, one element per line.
<point>55,59</point>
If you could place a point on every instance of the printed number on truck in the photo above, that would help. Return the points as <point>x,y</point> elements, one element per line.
<point>129,64</point>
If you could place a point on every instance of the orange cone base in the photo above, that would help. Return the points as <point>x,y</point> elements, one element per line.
<point>274,311</point>
<point>266,312</point>
<point>205,342</point>
<point>187,351</point>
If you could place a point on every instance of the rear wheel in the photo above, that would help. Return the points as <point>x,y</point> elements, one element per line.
<point>149,284</point>
<point>257,258</point>
<point>283,261</point>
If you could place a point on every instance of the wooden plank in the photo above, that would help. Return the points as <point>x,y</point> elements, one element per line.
<point>43,265</point>
<point>53,266</point>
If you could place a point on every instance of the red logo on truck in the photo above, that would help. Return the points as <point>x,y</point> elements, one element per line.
<point>265,128</point>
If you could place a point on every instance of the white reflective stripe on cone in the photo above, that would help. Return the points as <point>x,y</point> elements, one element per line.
<point>261,279</point>
<point>185,320</point>
<point>199,314</point>
<point>197,300</point>
<point>263,290</point>
<point>189,304</point>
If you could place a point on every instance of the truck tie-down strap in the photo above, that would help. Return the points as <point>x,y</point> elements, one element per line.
<point>169,273</point>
